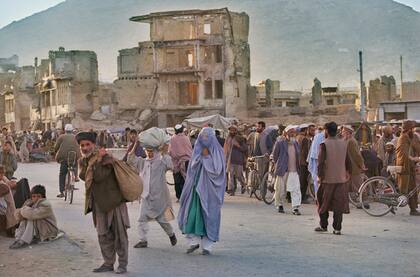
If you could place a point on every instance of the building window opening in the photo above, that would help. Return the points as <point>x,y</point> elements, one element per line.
<point>190,58</point>
<point>213,53</point>
<point>207,28</point>
<point>218,87</point>
<point>208,90</point>
<point>188,93</point>
<point>218,54</point>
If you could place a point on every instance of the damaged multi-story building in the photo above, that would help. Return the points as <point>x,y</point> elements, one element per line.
<point>16,93</point>
<point>268,94</point>
<point>410,91</point>
<point>19,98</point>
<point>197,61</point>
<point>380,90</point>
<point>67,83</point>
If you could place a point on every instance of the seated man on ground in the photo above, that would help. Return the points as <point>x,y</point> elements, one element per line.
<point>7,206</point>
<point>36,218</point>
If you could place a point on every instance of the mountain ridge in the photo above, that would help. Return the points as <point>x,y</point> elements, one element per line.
<point>293,41</point>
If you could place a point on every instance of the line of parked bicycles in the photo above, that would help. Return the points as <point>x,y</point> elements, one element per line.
<point>377,195</point>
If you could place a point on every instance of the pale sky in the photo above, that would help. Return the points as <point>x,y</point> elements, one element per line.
<point>17,9</point>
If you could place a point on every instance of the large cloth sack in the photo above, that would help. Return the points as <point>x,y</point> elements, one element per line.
<point>130,183</point>
<point>153,138</point>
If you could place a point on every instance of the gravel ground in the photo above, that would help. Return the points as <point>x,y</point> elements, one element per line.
<point>255,241</point>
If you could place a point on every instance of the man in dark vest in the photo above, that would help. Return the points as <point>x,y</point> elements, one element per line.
<point>105,201</point>
<point>305,146</point>
<point>334,173</point>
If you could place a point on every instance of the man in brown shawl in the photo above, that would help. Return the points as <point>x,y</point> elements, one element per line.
<point>357,162</point>
<point>334,169</point>
<point>104,199</point>
<point>406,158</point>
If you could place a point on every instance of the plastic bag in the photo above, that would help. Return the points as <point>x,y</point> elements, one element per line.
<point>153,138</point>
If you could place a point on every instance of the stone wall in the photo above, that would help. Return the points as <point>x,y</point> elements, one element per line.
<point>380,90</point>
<point>411,91</point>
<point>79,65</point>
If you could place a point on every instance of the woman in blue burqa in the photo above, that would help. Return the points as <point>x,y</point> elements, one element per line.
<point>202,196</point>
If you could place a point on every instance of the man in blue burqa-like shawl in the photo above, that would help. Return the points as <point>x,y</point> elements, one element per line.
<point>202,196</point>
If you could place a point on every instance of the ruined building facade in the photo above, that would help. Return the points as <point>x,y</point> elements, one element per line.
<point>67,83</point>
<point>269,95</point>
<point>10,63</point>
<point>17,93</point>
<point>380,90</point>
<point>195,61</point>
<point>19,98</point>
<point>411,91</point>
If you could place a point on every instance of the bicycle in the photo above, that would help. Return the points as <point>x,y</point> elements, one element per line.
<point>354,197</point>
<point>267,185</point>
<point>254,179</point>
<point>381,195</point>
<point>71,176</point>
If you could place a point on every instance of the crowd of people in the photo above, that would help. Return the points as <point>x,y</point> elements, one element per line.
<point>206,165</point>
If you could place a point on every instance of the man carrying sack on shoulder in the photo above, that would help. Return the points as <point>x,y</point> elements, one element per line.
<point>106,202</point>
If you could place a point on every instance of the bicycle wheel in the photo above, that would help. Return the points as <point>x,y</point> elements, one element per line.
<point>255,185</point>
<point>66,186</point>
<point>354,197</point>
<point>311,188</point>
<point>377,196</point>
<point>71,187</point>
<point>267,188</point>
<point>249,182</point>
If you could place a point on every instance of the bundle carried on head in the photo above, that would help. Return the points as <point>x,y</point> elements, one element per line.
<point>153,138</point>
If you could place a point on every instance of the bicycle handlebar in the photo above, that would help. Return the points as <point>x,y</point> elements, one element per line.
<point>259,157</point>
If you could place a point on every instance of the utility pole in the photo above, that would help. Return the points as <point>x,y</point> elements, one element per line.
<point>362,89</point>
<point>401,72</point>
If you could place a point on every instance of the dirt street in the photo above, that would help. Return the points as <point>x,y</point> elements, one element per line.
<point>255,241</point>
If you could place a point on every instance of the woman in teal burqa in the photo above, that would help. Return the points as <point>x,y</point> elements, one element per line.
<point>202,196</point>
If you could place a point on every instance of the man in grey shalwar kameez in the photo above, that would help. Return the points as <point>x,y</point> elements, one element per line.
<point>202,197</point>
<point>155,199</point>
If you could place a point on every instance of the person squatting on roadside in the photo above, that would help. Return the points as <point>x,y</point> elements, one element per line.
<point>36,219</point>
